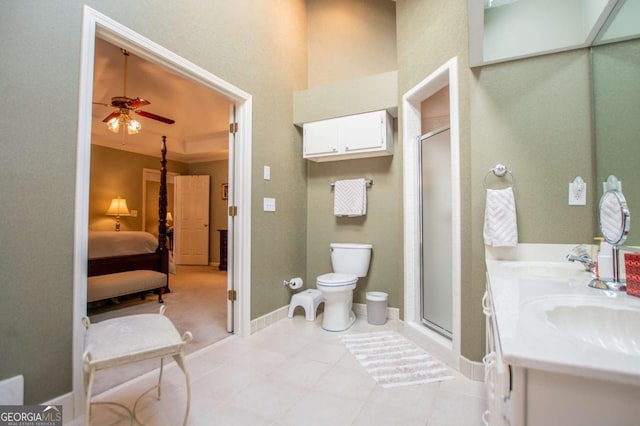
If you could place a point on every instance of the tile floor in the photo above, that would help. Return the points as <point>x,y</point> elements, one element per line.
<point>292,373</point>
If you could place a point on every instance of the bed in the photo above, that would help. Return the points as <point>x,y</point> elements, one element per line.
<point>131,262</point>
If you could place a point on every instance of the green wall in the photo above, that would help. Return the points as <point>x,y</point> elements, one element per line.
<point>382,225</point>
<point>119,173</point>
<point>358,39</point>
<point>533,115</point>
<point>251,44</point>
<point>429,34</point>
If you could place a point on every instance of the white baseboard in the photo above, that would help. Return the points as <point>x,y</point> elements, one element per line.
<point>440,348</point>
<point>472,369</point>
<point>268,319</point>
<point>360,309</point>
<point>12,390</point>
<point>66,401</point>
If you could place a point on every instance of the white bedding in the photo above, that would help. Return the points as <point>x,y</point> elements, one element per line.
<point>123,243</point>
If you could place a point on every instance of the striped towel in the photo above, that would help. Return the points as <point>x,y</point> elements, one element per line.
<point>350,197</point>
<point>500,225</point>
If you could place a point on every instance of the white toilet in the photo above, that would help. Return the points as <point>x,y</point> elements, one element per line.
<point>349,261</point>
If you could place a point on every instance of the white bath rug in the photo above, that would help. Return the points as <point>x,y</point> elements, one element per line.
<point>393,360</point>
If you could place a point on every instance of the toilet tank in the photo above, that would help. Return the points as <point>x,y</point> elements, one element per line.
<point>350,258</point>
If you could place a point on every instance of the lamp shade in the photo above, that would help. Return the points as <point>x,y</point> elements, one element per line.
<point>118,207</point>
<point>169,217</point>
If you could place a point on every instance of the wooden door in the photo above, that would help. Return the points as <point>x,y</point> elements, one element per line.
<point>192,220</point>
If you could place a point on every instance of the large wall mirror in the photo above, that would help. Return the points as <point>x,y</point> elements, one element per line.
<point>616,97</point>
<point>504,30</point>
<point>614,38</point>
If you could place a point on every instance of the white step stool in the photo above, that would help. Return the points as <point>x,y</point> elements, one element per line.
<point>309,300</point>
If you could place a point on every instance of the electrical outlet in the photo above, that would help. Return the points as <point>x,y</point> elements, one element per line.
<point>577,192</point>
<point>133,213</point>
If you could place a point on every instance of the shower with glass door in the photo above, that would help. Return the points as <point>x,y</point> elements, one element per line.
<point>437,231</point>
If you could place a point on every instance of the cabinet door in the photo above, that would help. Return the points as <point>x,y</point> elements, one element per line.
<point>321,137</point>
<point>362,132</point>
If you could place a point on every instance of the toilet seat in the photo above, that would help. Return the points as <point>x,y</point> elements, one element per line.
<point>334,279</point>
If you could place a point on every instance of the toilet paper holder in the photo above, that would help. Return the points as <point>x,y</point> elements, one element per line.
<point>293,283</point>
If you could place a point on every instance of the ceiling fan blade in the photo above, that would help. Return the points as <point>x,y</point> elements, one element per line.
<point>101,103</point>
<point>137,103</point>
<point>155,117</point>
<point>110,116</point>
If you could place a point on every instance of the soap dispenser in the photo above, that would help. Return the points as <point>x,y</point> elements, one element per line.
<point>605,261</point>
<point>597,256</point>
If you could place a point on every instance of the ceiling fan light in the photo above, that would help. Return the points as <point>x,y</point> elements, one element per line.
<point>133,127</point>
<point>114,124</point>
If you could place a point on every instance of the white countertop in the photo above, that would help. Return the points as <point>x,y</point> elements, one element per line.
<point>538,279</point>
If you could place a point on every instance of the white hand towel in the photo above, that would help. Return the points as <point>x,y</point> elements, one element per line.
<point>350,197</point>
<point>500,225</point>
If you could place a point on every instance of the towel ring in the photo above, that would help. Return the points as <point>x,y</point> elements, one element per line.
<point>499,170</point>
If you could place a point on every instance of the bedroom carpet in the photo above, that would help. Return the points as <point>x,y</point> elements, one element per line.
<point>197,303</point>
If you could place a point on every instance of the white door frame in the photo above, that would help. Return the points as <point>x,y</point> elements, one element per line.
<point>96,24</point>
<point>445,75</point>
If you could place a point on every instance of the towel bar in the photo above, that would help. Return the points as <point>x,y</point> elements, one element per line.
<point>369,183</point>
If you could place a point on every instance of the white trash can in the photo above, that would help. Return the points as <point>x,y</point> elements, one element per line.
<point>377,307</point>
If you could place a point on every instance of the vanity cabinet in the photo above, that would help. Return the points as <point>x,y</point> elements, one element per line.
<point>354,136</point>
<point>497,375</point>
<point>520,393</point>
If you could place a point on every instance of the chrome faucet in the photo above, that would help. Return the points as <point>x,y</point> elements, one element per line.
<point>585,259</point>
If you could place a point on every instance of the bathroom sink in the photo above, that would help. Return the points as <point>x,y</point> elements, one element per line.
<point>545,270</point>
<point>614,328</point>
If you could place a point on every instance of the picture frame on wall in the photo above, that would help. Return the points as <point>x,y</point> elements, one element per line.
<point>225,191</point>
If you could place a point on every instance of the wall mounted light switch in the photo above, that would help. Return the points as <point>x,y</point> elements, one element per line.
<point>269,204</point>
<point>267,173</point>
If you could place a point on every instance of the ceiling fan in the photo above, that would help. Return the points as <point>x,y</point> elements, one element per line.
<point>122,117</point>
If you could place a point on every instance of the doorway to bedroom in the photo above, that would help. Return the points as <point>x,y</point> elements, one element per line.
<point>197,171</point>
<point>98,29</point>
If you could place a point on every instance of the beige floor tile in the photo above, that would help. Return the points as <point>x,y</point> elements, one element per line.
<point>293,373</point>
<point>322,409</point>
<point>451,408</point>
<point>268,398</point>
<point>347,382</point>
<point>300,372</point>
<point>385,415</point>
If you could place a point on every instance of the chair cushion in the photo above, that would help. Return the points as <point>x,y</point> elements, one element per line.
<point>130,338</point>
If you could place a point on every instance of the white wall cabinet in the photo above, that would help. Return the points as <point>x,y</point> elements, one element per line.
<point>354,136</point>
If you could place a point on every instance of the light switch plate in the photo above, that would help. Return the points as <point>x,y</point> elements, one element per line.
<point>269,204</point>
<point>267,173</point>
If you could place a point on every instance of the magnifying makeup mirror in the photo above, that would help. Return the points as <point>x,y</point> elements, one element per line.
<point>614,219</point>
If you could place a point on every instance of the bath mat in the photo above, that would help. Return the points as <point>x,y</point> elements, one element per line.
<point>393,360</point>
